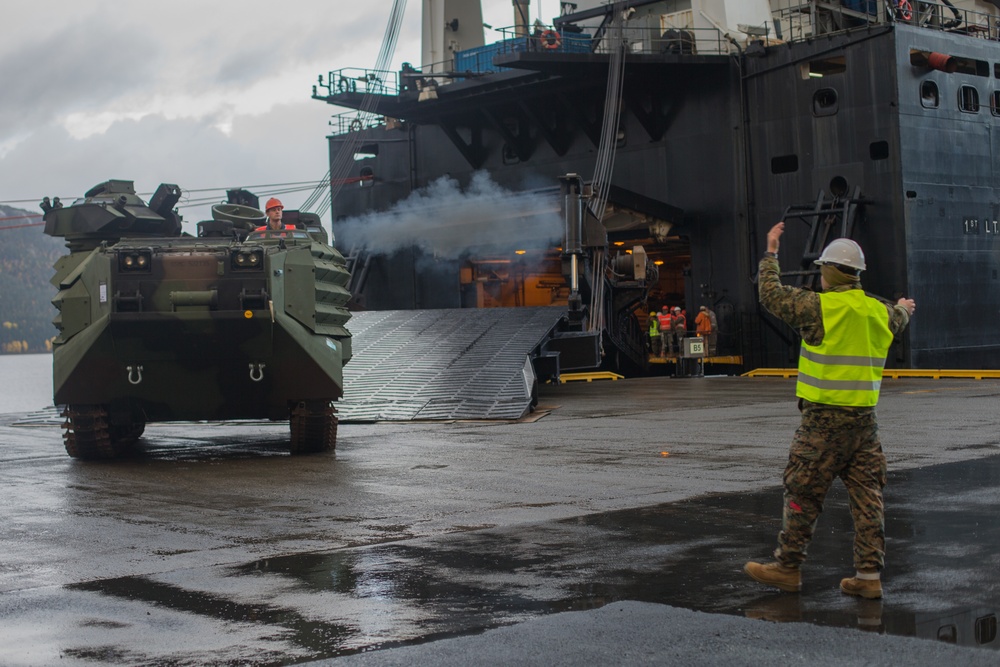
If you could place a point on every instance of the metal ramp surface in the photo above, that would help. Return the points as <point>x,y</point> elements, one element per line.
<point>442,364</point>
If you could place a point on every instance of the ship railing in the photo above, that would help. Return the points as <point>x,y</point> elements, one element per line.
<point>792,21</point>
<point>797,20</point>
<point>356,121</point>
<point>356,80</point>
<point>640,39</point>
<point>937,16</point>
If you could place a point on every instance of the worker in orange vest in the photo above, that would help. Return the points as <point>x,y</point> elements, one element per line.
<point>666,332</point>
<point>273,209</point>
<point>680,328</point>
<point>703,325</point>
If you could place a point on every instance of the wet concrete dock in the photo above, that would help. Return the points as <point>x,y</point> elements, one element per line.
<point>211,545</point>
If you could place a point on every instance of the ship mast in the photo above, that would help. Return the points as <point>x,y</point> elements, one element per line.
<point>521,9</point>
<point>449,26</point>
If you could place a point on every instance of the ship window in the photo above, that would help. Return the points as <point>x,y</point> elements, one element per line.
<point>973,66</point>
<point>996,70</point>
<point>929,94</point>
<point>784,164</point>
<point>825,102</point>
<point>949,63</point>
<point>817,69</point>
<point>918,58</point>
<point>986,629</point>
<point>968,99</point>
<point>366,151</point>
<point>995,103</point>
<point>879,150</point>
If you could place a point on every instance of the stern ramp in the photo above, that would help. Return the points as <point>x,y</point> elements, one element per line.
<point>443,364</point>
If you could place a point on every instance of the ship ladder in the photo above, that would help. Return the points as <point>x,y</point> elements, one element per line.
<point>835,215</point>
<point>357,263</point>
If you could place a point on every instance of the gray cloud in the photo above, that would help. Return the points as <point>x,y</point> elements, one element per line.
<point>85,67</point>
<point>310,41</point>
<point>245,66</point>
<point>187,152</point>
<point>107,60</point>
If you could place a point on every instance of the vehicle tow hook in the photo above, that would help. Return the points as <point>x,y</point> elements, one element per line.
<point>257,372</point>
<point>134,374</point>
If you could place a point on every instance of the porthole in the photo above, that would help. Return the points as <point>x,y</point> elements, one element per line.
<point>929,94</point>
<point>838,186</point>
<point>825,102</point>
<point>367,175</point>
<point>968,99</point>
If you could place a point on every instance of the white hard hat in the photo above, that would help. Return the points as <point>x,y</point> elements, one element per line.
<point>844,252</point>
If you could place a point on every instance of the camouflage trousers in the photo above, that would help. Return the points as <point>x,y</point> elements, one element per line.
<point>666,342</point>
<point>654,344</point>
<point>834,442</point>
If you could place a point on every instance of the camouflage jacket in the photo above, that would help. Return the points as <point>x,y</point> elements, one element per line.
<point>801,309</point>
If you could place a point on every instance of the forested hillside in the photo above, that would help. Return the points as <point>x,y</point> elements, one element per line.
<point>26,259</point>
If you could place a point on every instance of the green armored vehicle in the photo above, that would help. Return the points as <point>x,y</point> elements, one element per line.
<point>155,325</point>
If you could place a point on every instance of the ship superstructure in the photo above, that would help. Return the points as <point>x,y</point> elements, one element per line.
<point>688,128</point>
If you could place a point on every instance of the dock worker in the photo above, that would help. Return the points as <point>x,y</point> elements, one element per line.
<point>845,338</point>
<point>712,337</point>
<point>273,209</point>
<point>703,326</point>
<point>680,328</point>
<point>666,332</point>
<point>654,333</point>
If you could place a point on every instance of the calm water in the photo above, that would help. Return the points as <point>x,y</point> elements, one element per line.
<point>25,382</point>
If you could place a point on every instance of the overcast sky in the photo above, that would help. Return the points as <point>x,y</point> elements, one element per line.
<point>202,94</point>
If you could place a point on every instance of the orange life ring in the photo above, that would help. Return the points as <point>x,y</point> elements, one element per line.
<point>550,39</point>
<point>904,10</point>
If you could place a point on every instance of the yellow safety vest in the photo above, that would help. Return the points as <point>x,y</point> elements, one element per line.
<point>846,368</point>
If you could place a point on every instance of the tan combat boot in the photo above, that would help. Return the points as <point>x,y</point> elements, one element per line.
<point>870,589</point>
<point>775,574</point>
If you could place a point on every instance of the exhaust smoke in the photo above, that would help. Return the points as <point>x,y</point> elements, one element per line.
<point>449,222</point>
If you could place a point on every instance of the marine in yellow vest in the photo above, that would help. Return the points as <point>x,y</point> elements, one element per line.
<point>654,333</point>
<point>845,338</point>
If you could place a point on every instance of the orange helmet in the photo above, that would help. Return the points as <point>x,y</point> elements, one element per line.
<point>273,202</point>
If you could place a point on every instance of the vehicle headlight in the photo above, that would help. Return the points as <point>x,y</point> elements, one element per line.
<point>247,259</point>
<point>134,260</point>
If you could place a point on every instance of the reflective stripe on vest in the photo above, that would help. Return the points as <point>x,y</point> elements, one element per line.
<point>846,368</point>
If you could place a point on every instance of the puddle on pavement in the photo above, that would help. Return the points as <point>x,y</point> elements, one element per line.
<point>942,581</point>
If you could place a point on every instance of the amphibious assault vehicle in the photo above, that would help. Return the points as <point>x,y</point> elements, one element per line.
<point>155,325</point>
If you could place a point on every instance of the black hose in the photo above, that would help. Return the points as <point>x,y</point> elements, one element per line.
<point>955,22</point>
